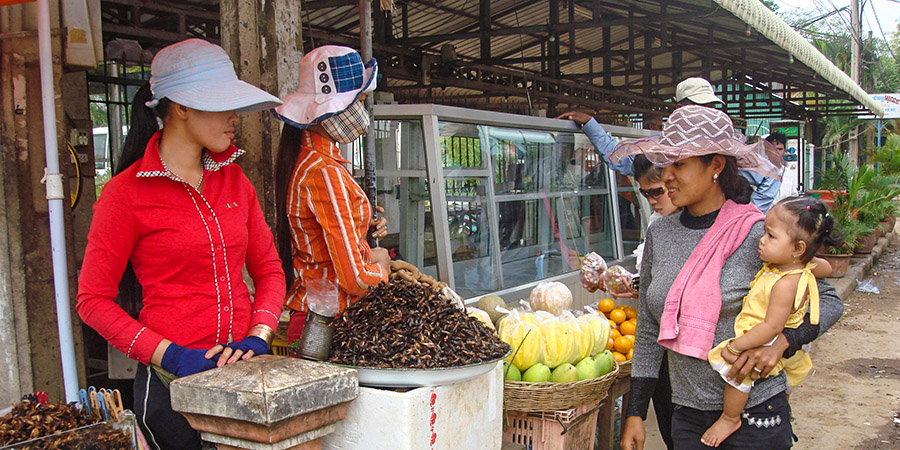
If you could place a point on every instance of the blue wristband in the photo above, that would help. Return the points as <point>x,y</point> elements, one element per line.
<point>186,361</point>
<point>254,343</point>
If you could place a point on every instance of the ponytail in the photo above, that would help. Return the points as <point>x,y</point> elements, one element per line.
<point>288,153</point>
<point>143,126</point>
<point>735,187</point>
<point>814,225</point>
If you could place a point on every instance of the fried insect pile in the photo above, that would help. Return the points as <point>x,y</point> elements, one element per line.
<point>407,324</point>
<point>31,420</point>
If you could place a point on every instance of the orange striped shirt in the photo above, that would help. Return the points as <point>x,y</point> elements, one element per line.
<point>329,216</point>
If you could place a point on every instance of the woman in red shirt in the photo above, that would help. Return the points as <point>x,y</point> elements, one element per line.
<point>325,215</point>
<point>176,225</point>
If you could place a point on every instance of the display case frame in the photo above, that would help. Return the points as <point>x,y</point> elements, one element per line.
<point>436,174</point>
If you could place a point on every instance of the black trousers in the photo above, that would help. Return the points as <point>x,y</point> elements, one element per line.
<point>163,428</point>
<point>764,426</point>
<point>662,403</point>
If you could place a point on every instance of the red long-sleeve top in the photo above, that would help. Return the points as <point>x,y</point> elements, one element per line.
<point>187,249</point>
<point>329,216</point>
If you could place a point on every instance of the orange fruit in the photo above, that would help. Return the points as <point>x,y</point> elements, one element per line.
<point>623,344</point>
<point>611,344</point>
<point>627,328</point>
<point>630,337</point>
<point>606,305</point>
<point>620,358</point>
<point>630,312</point>
<point>615,334</point>
<point>613,325</point>
<point>630,354</point>
<point>617,316</point>
<point>634,321</point>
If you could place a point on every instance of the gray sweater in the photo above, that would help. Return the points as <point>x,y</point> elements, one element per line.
<point>668,245</point>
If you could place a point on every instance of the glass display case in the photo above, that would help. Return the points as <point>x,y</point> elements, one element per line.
<point>492,202</point>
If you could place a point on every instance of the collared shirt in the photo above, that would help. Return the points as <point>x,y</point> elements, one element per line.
<point>188,249</point>
<point>329,216</point>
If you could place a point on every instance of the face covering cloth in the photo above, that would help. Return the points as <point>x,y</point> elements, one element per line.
<point>349,125</point>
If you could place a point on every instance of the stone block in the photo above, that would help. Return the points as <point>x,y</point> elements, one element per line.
<point>311,440</point>
<point>264,390</point>
<point>271,433</point>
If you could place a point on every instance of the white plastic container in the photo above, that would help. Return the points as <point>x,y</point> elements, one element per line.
<point>460,416</point>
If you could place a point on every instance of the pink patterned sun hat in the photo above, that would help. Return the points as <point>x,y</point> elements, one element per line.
<point>697,131</point>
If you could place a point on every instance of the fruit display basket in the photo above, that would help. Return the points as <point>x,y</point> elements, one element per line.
<point>624,369</point>
<point>573,428</point>
<point>535,397</point>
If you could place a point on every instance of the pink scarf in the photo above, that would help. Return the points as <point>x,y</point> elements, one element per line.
<point>689,327</point>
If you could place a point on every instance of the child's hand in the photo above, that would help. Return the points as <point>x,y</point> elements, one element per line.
<point>728,357</point>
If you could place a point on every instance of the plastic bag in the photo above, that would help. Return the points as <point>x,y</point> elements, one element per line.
<point>592,269</point>
<point>322,297</point>
<point>519,330</point>
<point>618,280</point>
<point>868,286</point>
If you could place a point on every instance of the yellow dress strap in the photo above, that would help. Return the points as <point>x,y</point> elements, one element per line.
<point>808,280</point>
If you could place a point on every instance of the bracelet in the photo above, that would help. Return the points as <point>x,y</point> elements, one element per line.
<point>731,349</point>
<point>263,332</point>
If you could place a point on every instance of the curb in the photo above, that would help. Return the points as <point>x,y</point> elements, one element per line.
<point>860,266</point>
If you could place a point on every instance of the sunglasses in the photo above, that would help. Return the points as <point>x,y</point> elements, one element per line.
<point>653,193</point>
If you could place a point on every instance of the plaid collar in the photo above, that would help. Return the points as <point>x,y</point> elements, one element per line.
<point>315,141</point>
<point>152,165</point>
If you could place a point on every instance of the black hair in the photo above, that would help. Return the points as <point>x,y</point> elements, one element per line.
<point>143,126</point>
<point>288,153</point>
<point>642,167</point>
<point>735,187</point>
<point>814,225</point>
<point>777,137</point>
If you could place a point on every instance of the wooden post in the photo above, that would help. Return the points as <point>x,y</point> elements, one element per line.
<point>265,42</point>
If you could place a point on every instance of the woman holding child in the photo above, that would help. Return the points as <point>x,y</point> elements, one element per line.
<point>698,266</point>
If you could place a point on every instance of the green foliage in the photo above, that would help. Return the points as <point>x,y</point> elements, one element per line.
<point>862,198</point>
<point>888,156</point>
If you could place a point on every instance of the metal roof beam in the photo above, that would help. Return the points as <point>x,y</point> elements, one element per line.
<point>560,28</point>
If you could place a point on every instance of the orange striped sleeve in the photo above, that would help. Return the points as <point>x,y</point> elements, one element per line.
<point>329,199</point>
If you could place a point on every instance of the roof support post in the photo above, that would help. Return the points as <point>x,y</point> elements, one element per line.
<point>484,25</point>
<point>264,39</point>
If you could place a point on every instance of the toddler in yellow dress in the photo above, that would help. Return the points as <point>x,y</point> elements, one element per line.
<point>780,295</point>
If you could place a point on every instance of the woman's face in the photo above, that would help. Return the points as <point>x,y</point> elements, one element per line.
<point>214,131</point>
<point>690,184</point>
<point>656,196</point>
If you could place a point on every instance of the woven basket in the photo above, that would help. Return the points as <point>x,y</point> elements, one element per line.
<point>534,397</point>
<point>625,369</point>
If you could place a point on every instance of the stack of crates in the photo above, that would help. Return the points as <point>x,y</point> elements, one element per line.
<point>571,429</point>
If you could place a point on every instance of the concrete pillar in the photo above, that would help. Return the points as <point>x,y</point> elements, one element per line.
<point>26,266</point>
<point>263,38</point>
<point>266,403</point>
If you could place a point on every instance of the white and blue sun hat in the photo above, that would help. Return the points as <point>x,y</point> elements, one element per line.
<point>332,78</point>
<point>200,75</point>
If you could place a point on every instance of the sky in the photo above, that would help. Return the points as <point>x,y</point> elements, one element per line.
<point>886,11</point>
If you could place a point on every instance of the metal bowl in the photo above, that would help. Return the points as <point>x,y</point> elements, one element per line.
<point>413,378</point>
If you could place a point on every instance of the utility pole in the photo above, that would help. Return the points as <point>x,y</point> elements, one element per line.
<point>855,51</point>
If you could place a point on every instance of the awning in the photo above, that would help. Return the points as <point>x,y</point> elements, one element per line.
<point>755,14</point>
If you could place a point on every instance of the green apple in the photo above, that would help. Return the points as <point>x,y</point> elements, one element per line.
<point>511,372</point>
<point>565,373</point>
<point>587,368</point>
<point>537,373</point>
<point>605,362</point>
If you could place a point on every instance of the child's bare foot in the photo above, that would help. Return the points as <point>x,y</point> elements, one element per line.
<point>720,430</point>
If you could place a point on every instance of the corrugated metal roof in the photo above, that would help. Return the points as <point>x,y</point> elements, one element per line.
<point>684,38</point>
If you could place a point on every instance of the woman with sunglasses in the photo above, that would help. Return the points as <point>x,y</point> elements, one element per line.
<point>697,268</point>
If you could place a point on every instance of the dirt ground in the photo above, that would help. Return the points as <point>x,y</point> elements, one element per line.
<point>852,397</point>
